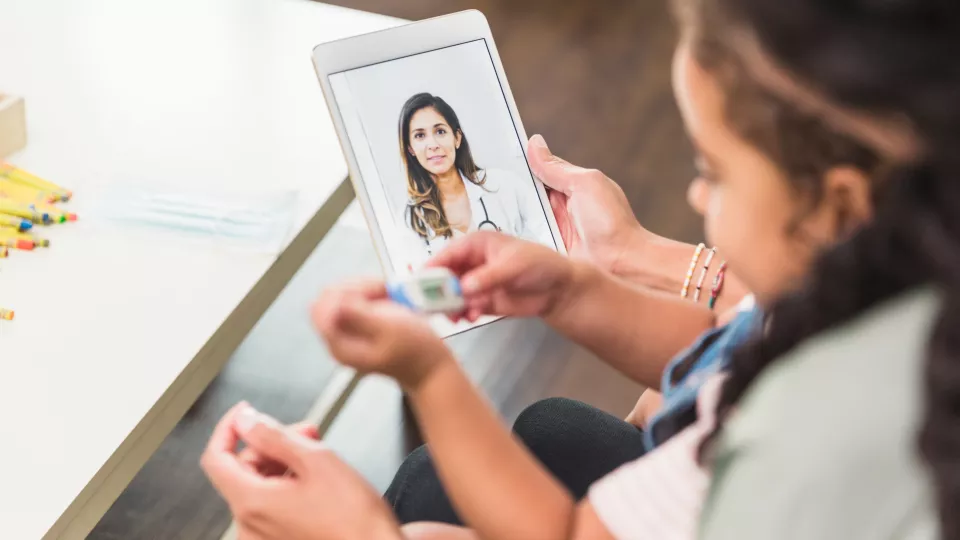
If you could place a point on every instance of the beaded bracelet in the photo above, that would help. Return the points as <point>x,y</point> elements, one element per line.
<point>717,284</point>
<point>703,275</point>
<point>693,267</point>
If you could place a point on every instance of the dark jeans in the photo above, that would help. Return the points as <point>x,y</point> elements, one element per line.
<point>577,443</point>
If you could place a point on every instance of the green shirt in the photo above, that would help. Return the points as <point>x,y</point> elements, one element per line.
<point>824,446</point>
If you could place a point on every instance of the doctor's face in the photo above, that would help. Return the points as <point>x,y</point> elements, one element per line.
<point>433,142</point>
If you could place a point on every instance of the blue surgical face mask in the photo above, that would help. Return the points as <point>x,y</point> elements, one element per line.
<point>260,220</point>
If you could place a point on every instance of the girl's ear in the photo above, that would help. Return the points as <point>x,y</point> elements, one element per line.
<point>459,139</point>
<point>412,153</point>
<point>847,203</point>
<point>698,195</point>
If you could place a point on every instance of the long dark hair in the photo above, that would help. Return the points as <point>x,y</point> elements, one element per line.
<point>425,210</point>
<point>883,58</point>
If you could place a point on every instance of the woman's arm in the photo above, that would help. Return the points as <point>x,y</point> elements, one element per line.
<point>634,329</point>
<point>661,264</point>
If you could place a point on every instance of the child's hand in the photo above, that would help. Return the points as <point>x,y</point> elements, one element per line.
<point>502,275</point>
<point>364,329</point>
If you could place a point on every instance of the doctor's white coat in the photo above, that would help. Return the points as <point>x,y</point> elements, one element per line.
<point>511,203</point>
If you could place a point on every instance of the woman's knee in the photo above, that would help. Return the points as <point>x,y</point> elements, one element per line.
<point>550,420</point>
<point>413,469</point>
<point>560,426</point>
<point>417,494</point>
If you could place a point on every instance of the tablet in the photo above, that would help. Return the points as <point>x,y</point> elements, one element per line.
<point>433,141</point>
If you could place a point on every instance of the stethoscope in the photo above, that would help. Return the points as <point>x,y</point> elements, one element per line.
<point>486,224</point>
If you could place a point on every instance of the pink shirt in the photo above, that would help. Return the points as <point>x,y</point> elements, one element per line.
<point>661,494</point>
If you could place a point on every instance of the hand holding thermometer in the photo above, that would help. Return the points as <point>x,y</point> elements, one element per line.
<point>431,290</point>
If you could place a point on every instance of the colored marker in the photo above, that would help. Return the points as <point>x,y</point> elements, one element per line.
<point>14,222</point>
<point>6,314</point>
<point>25,193</point>
<point>23,177</point>
<point>24,211</point>
<point>4,253</point>
<point>56,215</point>
<point>15,242</point>
<point>25,245</point>
<point>37,241</point>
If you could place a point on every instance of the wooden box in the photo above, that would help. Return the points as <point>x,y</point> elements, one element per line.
<point>13,124</point>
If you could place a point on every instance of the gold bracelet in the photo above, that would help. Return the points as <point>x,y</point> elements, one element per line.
<point>693,267</point>
<point>703,275</point>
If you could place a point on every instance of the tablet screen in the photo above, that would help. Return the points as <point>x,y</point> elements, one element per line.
<point>438,152</point>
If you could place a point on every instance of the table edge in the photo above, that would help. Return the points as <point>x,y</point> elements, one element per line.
<point>96,498</point>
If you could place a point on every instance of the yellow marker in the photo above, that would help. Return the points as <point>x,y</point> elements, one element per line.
<point>17,240</point>
<point>7,234</point>
<point>4,252</point>
<point>14,222</point>
<point>14,208</point>
<point>25,193</point>
<point>56,215</point>
<point>23,177</point>
<point>6,314</point>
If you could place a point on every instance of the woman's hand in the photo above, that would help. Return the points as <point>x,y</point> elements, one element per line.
<point>646,408</point>
<point>502,275</point>
<point>592,212</point>
<point>366,330</point>
<point>316,497</point>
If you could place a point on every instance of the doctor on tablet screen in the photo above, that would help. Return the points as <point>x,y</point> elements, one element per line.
<point>449,195</point>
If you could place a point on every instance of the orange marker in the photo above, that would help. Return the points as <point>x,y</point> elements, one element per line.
<point>15,243</point>
<point>6,314</point>
<point>24,237</point>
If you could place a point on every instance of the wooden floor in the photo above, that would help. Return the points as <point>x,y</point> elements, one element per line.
<point>594,79</point>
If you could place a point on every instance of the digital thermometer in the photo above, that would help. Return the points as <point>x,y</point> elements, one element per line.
<point>431,290</point>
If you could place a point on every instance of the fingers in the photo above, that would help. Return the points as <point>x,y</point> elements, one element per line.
<point>273,441</point>
<point>558,202</point>
<point>553,171</point>
<point>326,308</point>
<point>486,278</point>
<point>307,429</point>
<point>466,253</point>
<point>267,467</point>
<point>219,460</point>
<point>358,320</point>
<point>367,319</point>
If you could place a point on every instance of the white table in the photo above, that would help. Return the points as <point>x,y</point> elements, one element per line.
<point>119,329</point>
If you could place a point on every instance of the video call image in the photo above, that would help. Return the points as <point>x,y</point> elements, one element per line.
<point>438,152</point>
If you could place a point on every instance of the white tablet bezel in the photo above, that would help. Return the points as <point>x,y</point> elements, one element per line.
<point>395,43</point>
